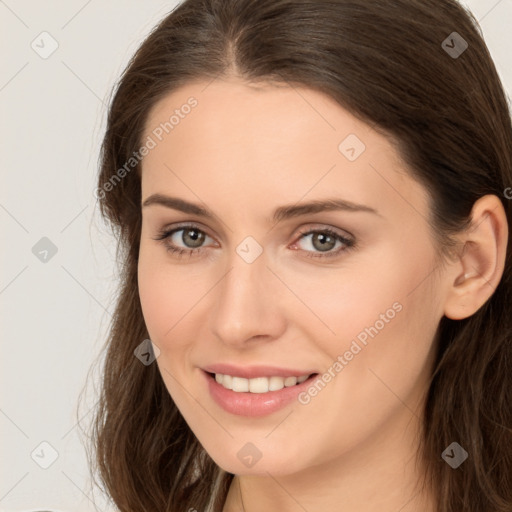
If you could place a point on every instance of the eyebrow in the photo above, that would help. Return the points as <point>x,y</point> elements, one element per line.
<point>280,214</point>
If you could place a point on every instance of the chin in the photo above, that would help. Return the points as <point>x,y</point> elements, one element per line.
<point>248,460</point>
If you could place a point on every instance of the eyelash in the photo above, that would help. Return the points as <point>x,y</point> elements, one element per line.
<point>180,252</point>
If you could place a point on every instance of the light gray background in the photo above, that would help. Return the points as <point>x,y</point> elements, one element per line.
<point>55,313</point>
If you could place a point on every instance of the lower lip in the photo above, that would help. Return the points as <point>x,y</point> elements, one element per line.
<point>254,404</point>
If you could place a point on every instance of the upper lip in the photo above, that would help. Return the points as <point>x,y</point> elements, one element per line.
<point>251,372</point>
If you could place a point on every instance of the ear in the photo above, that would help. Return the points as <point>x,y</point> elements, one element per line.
<point>477,270</point>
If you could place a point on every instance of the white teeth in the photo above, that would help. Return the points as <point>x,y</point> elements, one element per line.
<point>227,381</point>
<point>239,384</point>
<point>290,381</point>
<point>275,383</point>
<point>258,384</point>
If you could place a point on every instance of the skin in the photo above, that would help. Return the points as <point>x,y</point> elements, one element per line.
<point>243,151</point>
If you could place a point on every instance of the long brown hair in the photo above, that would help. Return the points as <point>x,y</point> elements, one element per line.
<point>399,67</point>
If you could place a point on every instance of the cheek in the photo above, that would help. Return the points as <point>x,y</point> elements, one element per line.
<point>384,366</point>
<point>165,292</point>
<point>371,290</point>
<point>167,295</point>
<point>385,322</point>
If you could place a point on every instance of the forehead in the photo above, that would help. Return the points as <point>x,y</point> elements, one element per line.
<point>249,112</point>
<point>278,141</point>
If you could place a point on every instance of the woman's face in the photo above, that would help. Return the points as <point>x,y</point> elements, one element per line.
<point>267,287</point>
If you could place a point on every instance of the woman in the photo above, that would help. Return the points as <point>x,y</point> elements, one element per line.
<point>310,200</point>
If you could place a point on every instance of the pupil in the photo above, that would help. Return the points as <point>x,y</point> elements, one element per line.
<point>195,236</point>
<point>323,239</point>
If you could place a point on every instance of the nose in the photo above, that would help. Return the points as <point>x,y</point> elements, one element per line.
<point>247,304</point>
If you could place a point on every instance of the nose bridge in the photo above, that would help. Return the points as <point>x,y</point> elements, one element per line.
<point>241,290</point>
<point>245,301</point>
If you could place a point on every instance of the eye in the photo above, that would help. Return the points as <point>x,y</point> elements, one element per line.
<point>183,240</point>
<point>320,243</point>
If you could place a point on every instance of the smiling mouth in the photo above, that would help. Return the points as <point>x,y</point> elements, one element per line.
<point>258,385</point>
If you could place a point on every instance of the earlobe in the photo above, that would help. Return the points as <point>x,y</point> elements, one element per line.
<point>479,267</point>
